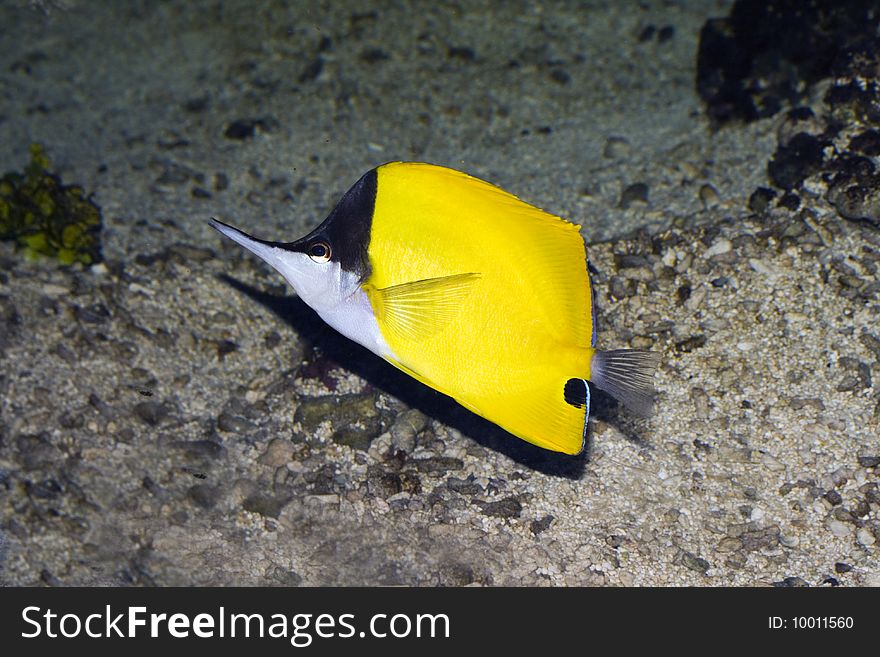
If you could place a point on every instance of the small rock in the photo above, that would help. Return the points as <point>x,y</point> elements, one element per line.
<point>438,464</point>
<point>841,568</point>
<point>509,507</point>
<point>266,506</point>
<point>865,537</point>
<point>696,563</point>
<point>204,495</point>
<point>839,529</point>
<point>542,525</point>
<point>709,196</point>
<point>279,452</point>
<point>234,423</point>
<point>833,497</point>
<point>405,428</point>
<point>616,148</point>
<point>151,412</point>
<point>869,461</point>
<point>794,582</point>
<point>464,486</point>
<point>635,193</point>
<point>719,247</point>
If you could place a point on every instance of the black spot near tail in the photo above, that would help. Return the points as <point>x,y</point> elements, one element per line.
<point>575,393</point>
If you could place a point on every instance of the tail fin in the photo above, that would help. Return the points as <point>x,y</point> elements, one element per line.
<point>627,375</point>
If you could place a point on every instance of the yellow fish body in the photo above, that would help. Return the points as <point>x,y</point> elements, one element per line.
<point>470,290</point>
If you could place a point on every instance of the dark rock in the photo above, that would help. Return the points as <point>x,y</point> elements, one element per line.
<point>464,486</point>
<point>509,507</point>
<point>833,497</point>
<point>383,483</point>
<point>71,420</point>
<point>198,104</point>
<point>867,142</point>
<point>270,507</point>
<point>47,489</point>
<point>635,193</point>
<point>241,129</point>
<point>769,52</point>
<point>760,539</point>
<point>790,201</point>
<point>689,344</point>
<point>621,288</point>
<point>861,509</point>
<point>693,562</point>
<point>224,348</point>
<point>760,199</point>
<point>94,314</point>
<point>374,56</point>
<point>464,54</point>
<point>234,423</point>
<point>665,34</point>
<point>792,582</point>
<point>871,342</point>
<point>438,464</point>
<point>355,421</point>
<point>455,573</point>
<point>560,76</point>
<point>841,568</point>
<point>312,70</point>
<point>793,163</point>
<point>631,261</point>
<point>284,577</point>
<point>204,495</point>
<point>682,294</point>
<point>151,412</point>
<point>869,461</point>
<point>542,525</point>
<point>200,450</point>
<point>36,452</point>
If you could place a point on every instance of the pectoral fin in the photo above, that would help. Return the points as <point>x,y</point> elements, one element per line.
<point>419,309</point>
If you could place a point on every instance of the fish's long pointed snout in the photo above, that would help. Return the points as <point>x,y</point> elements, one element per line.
<point>262,248</point>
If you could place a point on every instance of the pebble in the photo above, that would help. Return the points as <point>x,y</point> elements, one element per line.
<point>616,148</point>
<point>709,196</point>
<point>509,507</point>
<point>839,529</point>
<point>789,541</point>
<point>279,452</point>
<point>151,412</point>
<point>405,428</point>
<point>720,246</point>
<point>234,423</point>
<point>865,537</point>
<point>764,268</point>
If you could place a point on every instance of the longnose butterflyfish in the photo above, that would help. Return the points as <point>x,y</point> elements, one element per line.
<point>469,290</point>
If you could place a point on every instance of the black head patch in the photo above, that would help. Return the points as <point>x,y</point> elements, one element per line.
<point>347,228</point>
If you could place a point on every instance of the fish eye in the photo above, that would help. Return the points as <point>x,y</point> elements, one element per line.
<point>319,252</point>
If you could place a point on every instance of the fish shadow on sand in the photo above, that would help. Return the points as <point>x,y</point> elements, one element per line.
<point>438,406</point>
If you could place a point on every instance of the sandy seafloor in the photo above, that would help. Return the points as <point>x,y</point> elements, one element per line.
<point>171,417</point>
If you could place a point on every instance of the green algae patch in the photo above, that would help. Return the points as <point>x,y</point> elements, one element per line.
<point>45,217</point>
